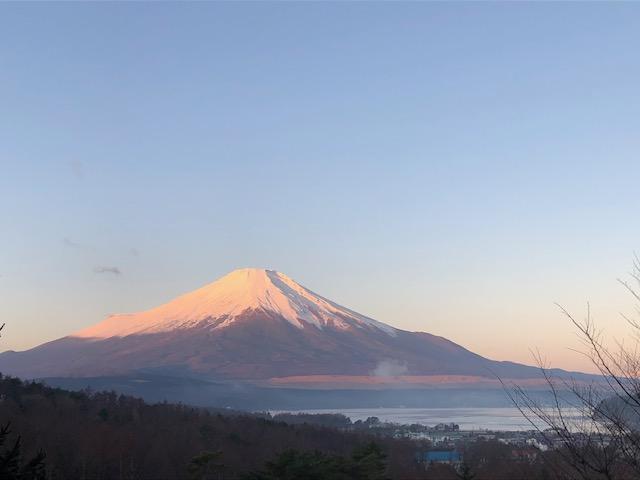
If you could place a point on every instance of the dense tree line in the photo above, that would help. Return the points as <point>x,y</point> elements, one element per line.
<point>365,463</point>
<point>103,435</point>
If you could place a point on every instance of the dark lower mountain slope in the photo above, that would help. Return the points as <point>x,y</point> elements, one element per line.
<point>258,345</point>
<point>259,326</point>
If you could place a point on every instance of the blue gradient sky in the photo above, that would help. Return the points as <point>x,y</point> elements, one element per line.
<point>453,168</point>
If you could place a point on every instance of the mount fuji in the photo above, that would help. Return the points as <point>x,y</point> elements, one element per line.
<point>261,327</point>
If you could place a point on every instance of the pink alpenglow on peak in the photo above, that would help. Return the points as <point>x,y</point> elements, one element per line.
<point>219,304</point>
<point>255,325</point>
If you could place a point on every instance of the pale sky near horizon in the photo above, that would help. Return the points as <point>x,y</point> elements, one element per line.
<point>451,168</point>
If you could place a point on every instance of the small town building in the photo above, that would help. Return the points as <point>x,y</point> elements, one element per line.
<point>448,457</point>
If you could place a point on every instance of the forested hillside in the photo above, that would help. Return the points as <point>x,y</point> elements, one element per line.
<point>89,435</point>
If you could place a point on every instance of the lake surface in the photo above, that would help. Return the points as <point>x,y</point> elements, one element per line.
<point>505,419</point>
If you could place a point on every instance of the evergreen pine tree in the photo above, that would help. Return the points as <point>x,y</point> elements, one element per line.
<point>11,466</point>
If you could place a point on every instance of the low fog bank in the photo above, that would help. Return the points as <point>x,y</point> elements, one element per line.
<point>244,396</point>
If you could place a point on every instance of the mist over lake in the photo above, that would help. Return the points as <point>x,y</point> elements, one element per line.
<point>502,419</point>
<point>496,419</point>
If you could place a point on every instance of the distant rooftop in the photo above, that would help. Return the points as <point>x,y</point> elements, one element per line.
<point>442,456</point>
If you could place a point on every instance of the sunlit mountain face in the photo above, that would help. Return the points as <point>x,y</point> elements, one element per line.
<point>259,325</point>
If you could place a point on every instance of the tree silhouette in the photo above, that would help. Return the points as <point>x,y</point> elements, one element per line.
<point>366,463</point>
<point>206,466</point>
<point>465,472</point>
<point>11,462</point>
<point>371,461</point>
<point>595,424</point>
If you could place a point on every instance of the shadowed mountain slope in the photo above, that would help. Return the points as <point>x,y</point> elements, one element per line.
<point>256,325</point>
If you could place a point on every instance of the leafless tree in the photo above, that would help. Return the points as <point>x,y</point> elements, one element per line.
<point>592,426</point>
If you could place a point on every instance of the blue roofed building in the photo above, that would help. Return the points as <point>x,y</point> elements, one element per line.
<point>449,457</point>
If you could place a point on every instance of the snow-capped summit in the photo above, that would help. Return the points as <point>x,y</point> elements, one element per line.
<point>252,324</point>
<point>219,304</point>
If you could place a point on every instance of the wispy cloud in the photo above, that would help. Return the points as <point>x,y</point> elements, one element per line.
<point>70,243</point>
<point>111,270</point>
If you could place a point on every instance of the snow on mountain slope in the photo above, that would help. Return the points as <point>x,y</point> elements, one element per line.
<point>220,303</point>
<point>252,325</point>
